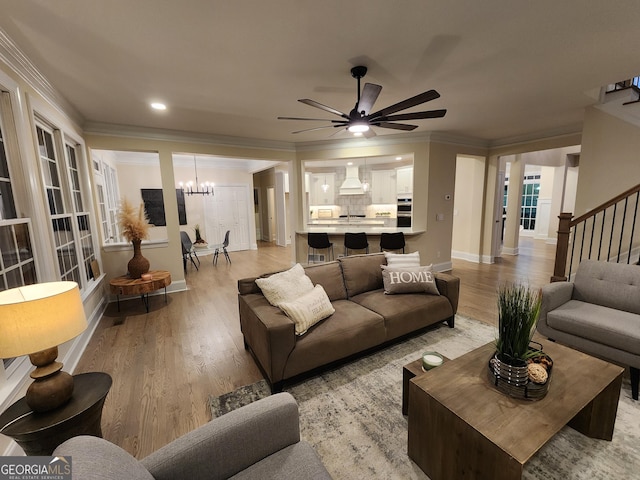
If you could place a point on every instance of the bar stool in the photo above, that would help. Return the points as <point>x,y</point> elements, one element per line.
<point>319,241</point>
<point>355,241</point>
<point>392,241</point>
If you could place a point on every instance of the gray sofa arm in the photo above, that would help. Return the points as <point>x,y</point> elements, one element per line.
<point>553,295</point>
<point>449,286</point>
<point>230,443</point>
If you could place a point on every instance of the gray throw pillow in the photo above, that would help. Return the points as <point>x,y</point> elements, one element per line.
<point>409,280</point>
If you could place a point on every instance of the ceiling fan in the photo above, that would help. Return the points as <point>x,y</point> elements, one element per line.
<point>360,119</point>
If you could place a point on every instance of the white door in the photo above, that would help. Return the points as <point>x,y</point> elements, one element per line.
<point>271,212</point>
<point>228,209</point>
<point>498,218</point>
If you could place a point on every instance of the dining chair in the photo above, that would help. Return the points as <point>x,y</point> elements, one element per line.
<point>188,251</point>
<point>222,246</point>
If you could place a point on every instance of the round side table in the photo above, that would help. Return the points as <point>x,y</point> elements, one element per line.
<point>40,433</point>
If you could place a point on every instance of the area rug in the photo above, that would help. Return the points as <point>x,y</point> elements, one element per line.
<point>352,416</point>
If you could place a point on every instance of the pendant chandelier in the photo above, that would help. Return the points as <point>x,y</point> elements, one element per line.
<point>205,188</point>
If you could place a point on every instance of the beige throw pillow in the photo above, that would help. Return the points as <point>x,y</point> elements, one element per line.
<point>403,259</point>
<point>309,309</point>
<point>409,280</point>
<point>285,286</point>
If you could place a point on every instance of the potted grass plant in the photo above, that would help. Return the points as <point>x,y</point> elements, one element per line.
<point>518,309</point>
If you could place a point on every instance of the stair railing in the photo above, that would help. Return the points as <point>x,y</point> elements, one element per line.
<point>608,233</point>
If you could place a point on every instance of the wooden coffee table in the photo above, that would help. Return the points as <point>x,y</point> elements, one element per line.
<point>460,426</point>
<point>409,371</point>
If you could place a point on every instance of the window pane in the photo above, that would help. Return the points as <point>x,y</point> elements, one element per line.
<point>14,279</point>
<point>8,247</point>
<point>29,273</point>
<point>24,242</point>
<point>7,207</point>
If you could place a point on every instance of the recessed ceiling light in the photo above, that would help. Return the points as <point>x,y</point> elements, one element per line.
<point>398,158</point>
<point>158,106</point>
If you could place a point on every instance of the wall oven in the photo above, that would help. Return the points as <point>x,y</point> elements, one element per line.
<point>404,211</point>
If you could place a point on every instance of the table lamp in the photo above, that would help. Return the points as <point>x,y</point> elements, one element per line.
<point>34,320</point>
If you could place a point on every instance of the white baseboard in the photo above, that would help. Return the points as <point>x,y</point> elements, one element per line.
<point>469,257</point>
<point>488,259</point>
<point>442,267</point>
<point>510,251</point>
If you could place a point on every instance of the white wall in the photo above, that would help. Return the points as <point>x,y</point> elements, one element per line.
<point>467,208</point>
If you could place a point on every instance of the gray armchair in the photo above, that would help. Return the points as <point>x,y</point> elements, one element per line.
<point>598,313</point>
<point>258,441</point>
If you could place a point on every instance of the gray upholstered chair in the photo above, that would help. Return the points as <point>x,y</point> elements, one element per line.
<point>258,441</point>
<point>598,313</point>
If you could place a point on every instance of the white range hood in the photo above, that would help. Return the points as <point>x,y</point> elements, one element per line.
<point>351,184</point>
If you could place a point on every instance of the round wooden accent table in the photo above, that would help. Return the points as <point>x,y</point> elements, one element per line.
<point>126,285</point>
<point>40,433</point>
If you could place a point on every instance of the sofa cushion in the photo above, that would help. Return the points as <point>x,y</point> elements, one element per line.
<point>609,284</point>
<point>309,309</point>
<point>403,259</point>
<point>608,326</point>
<point>406,312</point>
<point>362,272</point>
<point>295,461</point>
<point>97,459</point>
<point>408,280</point>
<point>351,329</point>
<point>329,275</point>
<point>285,286</point>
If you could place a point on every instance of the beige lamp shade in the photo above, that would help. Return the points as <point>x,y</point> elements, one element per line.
<point>40,316</point>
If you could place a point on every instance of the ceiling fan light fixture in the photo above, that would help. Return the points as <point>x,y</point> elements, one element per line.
<point>359,127</point>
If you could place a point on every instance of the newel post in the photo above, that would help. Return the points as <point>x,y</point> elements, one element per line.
<point>562,247</point>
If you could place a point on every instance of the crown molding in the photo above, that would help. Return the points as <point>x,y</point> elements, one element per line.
<point>11,54</point>
<point>554,134</point>
<point>131,131</point>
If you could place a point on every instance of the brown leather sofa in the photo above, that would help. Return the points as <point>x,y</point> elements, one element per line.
<point>365,317</point>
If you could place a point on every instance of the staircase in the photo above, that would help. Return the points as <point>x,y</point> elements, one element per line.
<point>609,233</point>
<point>622,100</point>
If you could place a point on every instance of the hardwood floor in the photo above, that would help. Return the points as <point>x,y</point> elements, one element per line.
<point>166,363</point>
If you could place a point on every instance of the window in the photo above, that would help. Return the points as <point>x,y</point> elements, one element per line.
<point>17,264</point>
<point>70,220</point>
<point>529,200</point>
<point>83,220</point>
<point>529,208</point>
<point>106,179</point>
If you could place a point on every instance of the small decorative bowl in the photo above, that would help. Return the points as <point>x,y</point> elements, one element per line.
<point>431,360</point>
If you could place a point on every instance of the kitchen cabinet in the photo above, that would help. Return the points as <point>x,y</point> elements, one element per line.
<point>318,195</point>
<point>383,186</point>
<point>404,180</point>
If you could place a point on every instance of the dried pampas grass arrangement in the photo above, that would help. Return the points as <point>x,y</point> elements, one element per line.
<point>134,225</point>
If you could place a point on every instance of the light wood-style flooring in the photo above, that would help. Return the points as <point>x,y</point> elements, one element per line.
<point>165,363</point>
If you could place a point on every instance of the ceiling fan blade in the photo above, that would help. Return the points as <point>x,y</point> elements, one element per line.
<point>317,128</point>
<point>314,119</point>
<point>395,126</point>
<point>313,103</point>
<point>416,115</point>
<point>368,97</point>
<point>369,133</point>
<point>408,103</point>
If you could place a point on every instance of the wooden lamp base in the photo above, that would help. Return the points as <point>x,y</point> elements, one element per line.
<point>52,387</point>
